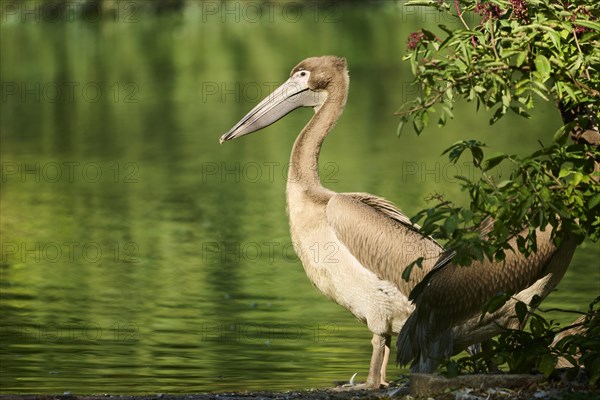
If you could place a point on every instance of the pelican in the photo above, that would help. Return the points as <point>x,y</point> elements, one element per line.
<point>372,239</point>
<point>449,300</point>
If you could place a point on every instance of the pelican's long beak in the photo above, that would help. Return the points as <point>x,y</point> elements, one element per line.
<point>294,93</point>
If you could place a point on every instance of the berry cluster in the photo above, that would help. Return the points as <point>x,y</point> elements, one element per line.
<point>414,39</point>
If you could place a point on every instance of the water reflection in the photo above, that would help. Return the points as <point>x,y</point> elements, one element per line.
<point>140,256</point>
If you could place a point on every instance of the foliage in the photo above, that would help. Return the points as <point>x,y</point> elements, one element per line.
<point>505,57</point>
<point>515,54</point>
<point>587,344</point>
<point>551,186</point>
<point>519,50</point>
<point>524,351</point>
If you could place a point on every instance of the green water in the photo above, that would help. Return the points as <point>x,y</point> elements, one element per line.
<point>140,256</point>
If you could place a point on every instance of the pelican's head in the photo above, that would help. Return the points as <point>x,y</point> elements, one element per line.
<point>310,84</point>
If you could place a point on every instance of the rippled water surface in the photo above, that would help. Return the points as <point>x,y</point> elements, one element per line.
<point>140,256</point>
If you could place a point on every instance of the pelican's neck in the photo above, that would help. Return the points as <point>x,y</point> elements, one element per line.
<point>304,161</point>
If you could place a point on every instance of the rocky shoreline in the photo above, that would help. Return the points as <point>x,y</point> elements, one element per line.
<point>423,386</point>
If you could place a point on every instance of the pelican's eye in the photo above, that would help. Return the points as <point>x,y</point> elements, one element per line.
<point>301,74</point>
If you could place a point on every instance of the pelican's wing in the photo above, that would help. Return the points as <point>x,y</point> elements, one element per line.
<point>447,256</point>
<point>445,259</point>
<point>450,294</point>
<point>459,292</point>
<point>380,236</point>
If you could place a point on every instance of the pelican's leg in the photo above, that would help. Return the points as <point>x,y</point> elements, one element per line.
<point>379,343</point>
<point>386,358</point>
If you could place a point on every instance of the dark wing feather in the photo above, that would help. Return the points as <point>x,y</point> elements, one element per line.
<point>484,229</point>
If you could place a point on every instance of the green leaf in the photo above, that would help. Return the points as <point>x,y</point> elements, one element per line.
<point>537,326</point>
<point>452,369</point>
<point>521,57</point>
<point>500,256</point>
<point>425,117</point>
<point>450,225</point>
<point>477,154</point>
<point>520,111</point>
<point>577,177</point>
<point>442,120</point>
<point>406,273</point>
<point>521,310</point>
<point>504,183</point>
<point>494,161</point>
<point>546,364</point>
<point>545,195</point>
<point>400,126</point>
<point>594,201</point>
<point>418,124</point>
<point>587,24</point>
<point>542,66</point>
<point>497,115</point>
<point>427,3</point>
<point>564,171</point>
<point>428,34</point>
<point>495,303</point>
<point>448,111</point>
<point>561,135</point>
<point>554,38</point>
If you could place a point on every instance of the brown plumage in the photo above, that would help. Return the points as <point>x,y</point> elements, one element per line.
<point>353,246</point>
<point>449,300</point>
